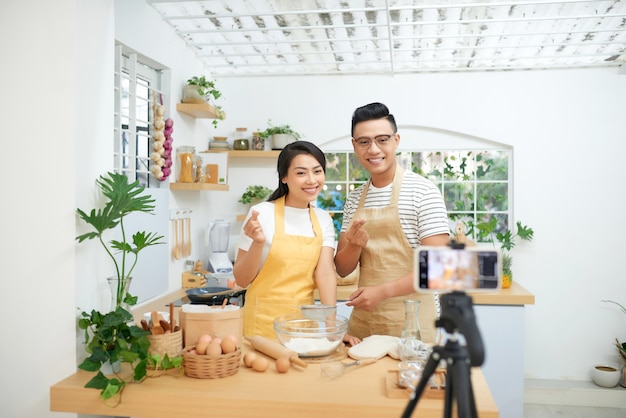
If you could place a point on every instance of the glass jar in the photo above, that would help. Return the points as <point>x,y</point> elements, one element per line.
<point>185,164</point>
<point>258,142</point>
<point>241,141</point>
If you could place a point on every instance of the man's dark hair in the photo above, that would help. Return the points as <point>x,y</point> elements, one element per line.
<point>372,111</point>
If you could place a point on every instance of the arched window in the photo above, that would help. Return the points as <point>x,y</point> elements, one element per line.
<point>474,174</point>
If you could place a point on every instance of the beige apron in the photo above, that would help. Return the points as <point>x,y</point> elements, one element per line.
<point>386,257</point>
<point>286,278</point>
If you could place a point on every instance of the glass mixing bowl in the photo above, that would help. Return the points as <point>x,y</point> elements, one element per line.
<point>309,337</point>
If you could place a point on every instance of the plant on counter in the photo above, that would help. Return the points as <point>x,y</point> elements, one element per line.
<point>110,339</point>
<point>123,198</point>
<point>255,194</point>
<point>621,346</point>
<point>488,231</point>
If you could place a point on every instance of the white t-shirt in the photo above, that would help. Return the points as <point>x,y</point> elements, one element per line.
<point>420,206</point>
<point>297,222</point>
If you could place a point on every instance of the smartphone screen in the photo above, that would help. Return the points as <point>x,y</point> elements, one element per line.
<point>447,269</point>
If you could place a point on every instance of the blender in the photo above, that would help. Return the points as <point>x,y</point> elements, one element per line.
<point>218,233</point>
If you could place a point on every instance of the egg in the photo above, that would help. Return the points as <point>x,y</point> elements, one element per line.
<point>283,364</point>
<point>260,364</point>
<point>249,358</point>
<point>214,348</point>
<point>228,346</point>
<point>203,343</point>
<point>232,337</point>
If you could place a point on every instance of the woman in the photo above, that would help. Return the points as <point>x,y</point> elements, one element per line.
<point>286,247</point>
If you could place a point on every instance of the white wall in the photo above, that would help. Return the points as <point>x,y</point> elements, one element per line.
<point>566,128</point>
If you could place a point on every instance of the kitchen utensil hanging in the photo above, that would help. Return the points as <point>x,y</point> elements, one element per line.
<point>181,223</point>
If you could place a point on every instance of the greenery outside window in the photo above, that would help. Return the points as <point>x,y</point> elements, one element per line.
<point>475,183</point>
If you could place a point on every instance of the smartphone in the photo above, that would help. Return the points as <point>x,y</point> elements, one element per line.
<point>445,269</point>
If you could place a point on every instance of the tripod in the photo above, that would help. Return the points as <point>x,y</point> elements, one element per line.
<point>457,315</point>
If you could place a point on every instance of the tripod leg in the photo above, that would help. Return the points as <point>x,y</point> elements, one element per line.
<point>429,370</point>
<point>463,390</point>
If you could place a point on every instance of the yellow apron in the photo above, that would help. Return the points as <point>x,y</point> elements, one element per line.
<point>386,257</point>
<point>286,279</point>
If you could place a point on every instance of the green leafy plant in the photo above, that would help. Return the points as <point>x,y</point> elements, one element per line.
<point>111,338</point>
<point>254,194</point>
<point>621,346</point>
<point>207,90</point>
<point>486,231</point>
<point>280,129</point>
<point>124,198</point>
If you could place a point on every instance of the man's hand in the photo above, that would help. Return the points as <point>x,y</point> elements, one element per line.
<point>367,298</point>
<point>356,235</point>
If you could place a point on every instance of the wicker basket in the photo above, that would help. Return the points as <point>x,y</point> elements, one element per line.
<point>211,367</point>
<point>170,343</point>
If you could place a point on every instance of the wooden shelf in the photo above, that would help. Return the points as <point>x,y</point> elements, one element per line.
<point>199,186</point>
<point>253,154</point>
<point>200,110</point>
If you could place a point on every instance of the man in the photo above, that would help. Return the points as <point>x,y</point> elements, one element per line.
<point>383,222</point>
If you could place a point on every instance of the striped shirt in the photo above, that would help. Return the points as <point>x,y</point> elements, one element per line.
<point>420,205</point>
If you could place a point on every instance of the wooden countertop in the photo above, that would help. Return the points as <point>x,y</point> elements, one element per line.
<point>515,295</point>
<point>301,392</point>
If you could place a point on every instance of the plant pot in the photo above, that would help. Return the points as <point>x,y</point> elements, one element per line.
<point>280,141</point>
<point>191,95</point>
<point>109,369</point>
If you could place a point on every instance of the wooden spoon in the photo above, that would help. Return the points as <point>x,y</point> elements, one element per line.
<point>157,329</point>
<point>175,250</point>
<point>172,321</point>
<point>189,236</point>
<point>183,248</point>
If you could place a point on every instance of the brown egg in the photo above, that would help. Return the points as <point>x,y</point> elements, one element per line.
<point>232,337</point>
<point>203,343</point>
<point>249,358</point>
<point>283,364</point>
<point>260,364</point>
<point>214,349</point>
<point>228,346</point>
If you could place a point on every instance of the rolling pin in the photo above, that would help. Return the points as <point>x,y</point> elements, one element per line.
<point>274,349</point>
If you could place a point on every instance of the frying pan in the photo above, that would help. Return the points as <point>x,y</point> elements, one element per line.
<point>213,295</point>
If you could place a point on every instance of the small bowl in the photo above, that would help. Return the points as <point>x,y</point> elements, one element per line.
<point>605,375</point>
<point>220,138</point>
<point>310,337</point>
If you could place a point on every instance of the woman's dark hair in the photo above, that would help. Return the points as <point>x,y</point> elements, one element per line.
<point>284,161</point>
<point>372,111</point>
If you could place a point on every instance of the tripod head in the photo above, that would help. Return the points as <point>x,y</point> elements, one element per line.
<point>457,315</point>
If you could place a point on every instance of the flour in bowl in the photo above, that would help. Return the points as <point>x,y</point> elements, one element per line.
<point>312,346</point>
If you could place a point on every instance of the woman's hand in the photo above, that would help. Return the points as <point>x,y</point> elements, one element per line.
<point>253,228</point>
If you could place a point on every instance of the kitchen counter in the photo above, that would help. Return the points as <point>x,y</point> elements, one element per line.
<point>301,392</point>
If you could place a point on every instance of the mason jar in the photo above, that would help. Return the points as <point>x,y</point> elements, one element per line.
<point>185,164</point>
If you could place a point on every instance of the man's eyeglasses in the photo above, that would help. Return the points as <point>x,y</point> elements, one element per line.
<point>365,142</point>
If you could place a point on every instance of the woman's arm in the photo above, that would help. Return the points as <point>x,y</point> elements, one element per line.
<point>247,263</point>
<point>325,277</point>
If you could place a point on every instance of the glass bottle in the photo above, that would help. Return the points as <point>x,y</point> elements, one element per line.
<point>411,347</point>
<point>241,141</point>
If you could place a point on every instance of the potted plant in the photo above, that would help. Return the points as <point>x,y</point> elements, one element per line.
<point>281,135</point>
<point>621,346</point>
<point>202,90</point>
<point>123,198</point>
<point>487,231</point>
<point>255,194</point>
<point>111,338</point>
